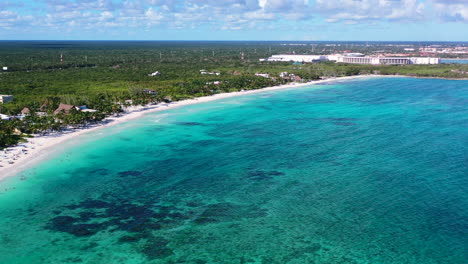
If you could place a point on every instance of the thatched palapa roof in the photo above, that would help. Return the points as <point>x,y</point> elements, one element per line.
<point>65,108</point>
<point>25,111</point>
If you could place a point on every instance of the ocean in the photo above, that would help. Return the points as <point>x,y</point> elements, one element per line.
<point>358,171</point>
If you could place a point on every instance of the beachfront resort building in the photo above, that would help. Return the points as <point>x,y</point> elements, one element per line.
<point>5,98</point>
<point>355,58</point>
<point>64,108</point>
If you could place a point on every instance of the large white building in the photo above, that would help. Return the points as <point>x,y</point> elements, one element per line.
<point>374,60</point>
<point>296,58</point>
<point>424,60</point>
<point>354,58</point>
<point>388,60</point>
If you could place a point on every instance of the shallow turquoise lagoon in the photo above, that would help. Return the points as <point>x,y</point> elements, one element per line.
<point>364,171</point>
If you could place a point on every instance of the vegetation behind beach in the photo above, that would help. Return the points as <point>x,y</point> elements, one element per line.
<point>107,76</point>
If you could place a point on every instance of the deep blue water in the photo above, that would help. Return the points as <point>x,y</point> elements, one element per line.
<point>364,171</point>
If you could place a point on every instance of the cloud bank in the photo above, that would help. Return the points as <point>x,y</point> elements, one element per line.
<point>227,15</point>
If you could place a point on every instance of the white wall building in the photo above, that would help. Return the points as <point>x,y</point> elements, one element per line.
<point>265,75</point>
<point>156,73</point>
<point>335,57</point>
<point>296,58</point>
<point>424,60</point>
<point>388,60</point>
<point>5,117</point>
<point>352,58</point>
<point>376,60</point>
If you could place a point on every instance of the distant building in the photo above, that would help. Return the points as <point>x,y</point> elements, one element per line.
<point>424,60</point>
<point>85,109</point>
<point>6,98</point>
<point>209,73</point>
<point>65,108</point>
<point>389,60</point>
<point>5,117</point>
<point>44,106</point>
<point>290,76</point>
<point>149,91</point>
<point>353,55</point>
<point>283,74</point>
<point>265,75</point>
<point>156,73</point>
<point>356,58</point>
<point>297,78</point>
<point>296,58</point>
<point>375,60</point>
<point>25,111</point>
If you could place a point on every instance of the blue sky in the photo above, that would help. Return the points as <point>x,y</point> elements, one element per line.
<point>388,20</point>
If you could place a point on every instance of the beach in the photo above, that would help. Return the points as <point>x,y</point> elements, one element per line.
<point>15,159</point>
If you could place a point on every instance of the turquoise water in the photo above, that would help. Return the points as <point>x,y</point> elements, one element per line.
<point>456,61</point>
<point>368,171</point>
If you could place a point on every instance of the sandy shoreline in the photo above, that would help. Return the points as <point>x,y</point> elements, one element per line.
<point>26,155</point>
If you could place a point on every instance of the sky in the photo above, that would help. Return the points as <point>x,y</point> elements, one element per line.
<point>294,20</point>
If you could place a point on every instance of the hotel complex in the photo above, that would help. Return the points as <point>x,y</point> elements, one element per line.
<point>355,58</point>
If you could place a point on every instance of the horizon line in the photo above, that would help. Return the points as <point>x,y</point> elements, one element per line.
<point>246,40</point>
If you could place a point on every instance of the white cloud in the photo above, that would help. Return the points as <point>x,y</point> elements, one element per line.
<point>97,5</point>
<point>362,10</point>
<point>222,14</point>
<point>289,10</point>
<point>283,5</point>
<point>153,17</point>
<point>10,19</point>
<point>451,10</point>
<point>259,15</point>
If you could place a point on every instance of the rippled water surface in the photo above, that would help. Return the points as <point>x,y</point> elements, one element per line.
<point>364,171</point>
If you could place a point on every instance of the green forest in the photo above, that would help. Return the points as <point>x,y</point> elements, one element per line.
<point>107,76</point>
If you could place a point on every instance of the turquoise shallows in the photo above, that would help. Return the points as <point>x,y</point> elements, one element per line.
<point>364,171</point>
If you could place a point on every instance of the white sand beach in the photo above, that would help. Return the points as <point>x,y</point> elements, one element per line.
<point>18,158</point>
